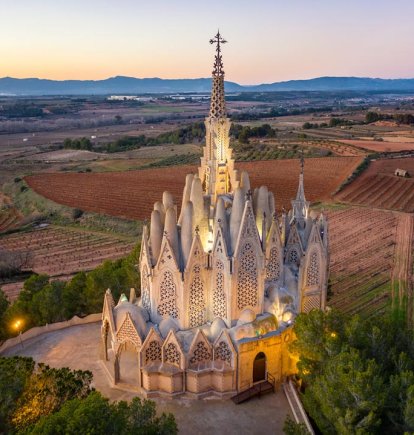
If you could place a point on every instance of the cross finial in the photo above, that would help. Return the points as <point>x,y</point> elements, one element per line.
<point>249,195</point>
<point>218,64</point>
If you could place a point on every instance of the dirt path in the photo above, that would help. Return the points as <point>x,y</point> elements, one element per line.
<point>402,284</point>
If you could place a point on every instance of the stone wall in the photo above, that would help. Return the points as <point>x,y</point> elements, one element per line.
<point>39,330</point>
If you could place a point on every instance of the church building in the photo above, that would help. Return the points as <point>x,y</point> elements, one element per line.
<point>222,279</point>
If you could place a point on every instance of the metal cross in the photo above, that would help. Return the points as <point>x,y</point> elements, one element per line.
<point>218,64</point>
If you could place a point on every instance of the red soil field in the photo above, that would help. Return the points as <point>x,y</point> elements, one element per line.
<point>379,187</point>
<point>380,146</point>
<point>132,194</point>
<point>362,259</point>
<point>62,252</point>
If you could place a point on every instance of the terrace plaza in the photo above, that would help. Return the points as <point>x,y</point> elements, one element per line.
<point>221,283</point>
<point>57,349</point>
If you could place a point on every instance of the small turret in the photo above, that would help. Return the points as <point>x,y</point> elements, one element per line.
<point>167,200</point>
<point>160,208</point>
<point>236,216</point>
<point>262,210</point>
<point>245,182</point>
<point>187,231</point>
<point>186,195</point>
<point>156,234</point>
<point>171,230</point>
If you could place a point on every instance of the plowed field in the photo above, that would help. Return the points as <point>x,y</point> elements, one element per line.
<point>132,194</point>
<point>379,187</point>
<point>62,252</point>
<point>362,259</point>
<point>380,146</point>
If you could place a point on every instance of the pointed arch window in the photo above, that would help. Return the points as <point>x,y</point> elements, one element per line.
<point>197,299</point>
<point>168,296</point>
<point>293,257</point>
<point>247,278</point>
<point>273,265</point>
<point>145,294</point>
<point>312,273</point>
<point>219,296</point>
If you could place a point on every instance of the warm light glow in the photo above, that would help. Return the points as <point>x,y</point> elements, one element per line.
<point>333,334</point>
<point>17,324</point>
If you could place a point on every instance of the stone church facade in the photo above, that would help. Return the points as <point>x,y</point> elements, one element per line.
<point>222,282</point>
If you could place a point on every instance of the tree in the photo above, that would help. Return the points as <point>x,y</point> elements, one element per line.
<point>4,305</point>
<point>319,336</point>
<point>371,117</point>
<point>358,374</point>
<point>348,397</point>
<point>77,213</point>
<point>33,285</point>
<point>96,415</point>
<point>46,391</point>
<point>119,276</point>
<point>47,304</point>
<point>141,418</point>
<point>292,428</point>
<point>244,135</point>
<point>73,296</point>
<point>14,373</point>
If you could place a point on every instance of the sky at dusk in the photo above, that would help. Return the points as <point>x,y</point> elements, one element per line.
<point>269,40</point>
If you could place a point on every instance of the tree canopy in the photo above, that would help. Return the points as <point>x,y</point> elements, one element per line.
<point>358,375</point>
<point>37,399</point>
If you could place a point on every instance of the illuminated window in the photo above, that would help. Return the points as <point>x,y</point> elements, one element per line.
<point>197,299</point>
<point>168,296</point>
<point>247,279</point>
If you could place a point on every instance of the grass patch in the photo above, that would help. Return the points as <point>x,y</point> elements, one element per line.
<point>176,160</point>
<point>37,209</point>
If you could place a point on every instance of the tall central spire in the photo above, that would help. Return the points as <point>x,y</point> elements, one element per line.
<point>218,103</point>
<point>217,166</point>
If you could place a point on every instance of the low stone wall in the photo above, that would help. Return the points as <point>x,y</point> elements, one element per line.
<point>39,330</point>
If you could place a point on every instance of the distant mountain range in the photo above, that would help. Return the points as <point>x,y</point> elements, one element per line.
<point>130,85</point>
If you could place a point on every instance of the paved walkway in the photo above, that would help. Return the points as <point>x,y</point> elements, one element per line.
<point>77,347</point>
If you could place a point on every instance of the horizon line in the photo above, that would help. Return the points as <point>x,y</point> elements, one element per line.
<point>208,78</point>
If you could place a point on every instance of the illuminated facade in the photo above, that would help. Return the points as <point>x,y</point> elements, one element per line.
<point>222,282</point>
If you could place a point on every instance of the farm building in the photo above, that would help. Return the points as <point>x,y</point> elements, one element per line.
<point>221,284</point>
<point>401,173</point>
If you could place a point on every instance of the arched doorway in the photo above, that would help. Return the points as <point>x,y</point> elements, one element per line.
<point>259,367</point>
<point>128,364</point>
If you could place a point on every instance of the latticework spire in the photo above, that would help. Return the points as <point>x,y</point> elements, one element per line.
<point>218,103</point>
<point>217,172</point>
